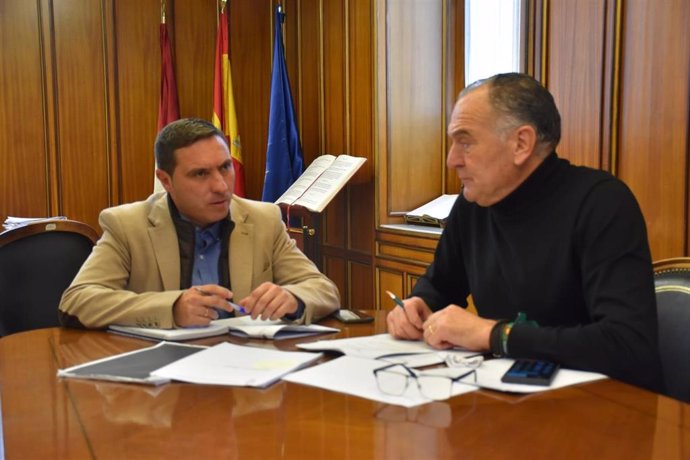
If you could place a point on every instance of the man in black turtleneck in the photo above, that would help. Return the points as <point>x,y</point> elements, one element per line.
<point>565,246</point>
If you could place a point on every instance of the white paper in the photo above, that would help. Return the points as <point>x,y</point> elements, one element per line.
<point>228,364</point>
<point>438,208</point>
<point>355,376</point>
<point>490,373</point>
<point>380,346</point>
<point>321,181</point>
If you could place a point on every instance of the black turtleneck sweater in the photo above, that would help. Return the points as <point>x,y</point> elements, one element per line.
<point>568,248</point>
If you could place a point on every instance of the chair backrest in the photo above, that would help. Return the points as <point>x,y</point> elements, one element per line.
<point>672,285</point>
<point>37,263</point>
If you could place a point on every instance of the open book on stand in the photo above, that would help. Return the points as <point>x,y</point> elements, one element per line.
<point>242,326</point>
<point>434,212</point>
<point>321,181</point>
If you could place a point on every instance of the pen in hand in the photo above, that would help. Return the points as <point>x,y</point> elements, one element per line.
<point>234,306</point>
<point>237,307</point>
<point>396,299</point>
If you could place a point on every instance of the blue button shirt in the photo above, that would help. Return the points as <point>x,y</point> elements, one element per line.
<point>206,255</point>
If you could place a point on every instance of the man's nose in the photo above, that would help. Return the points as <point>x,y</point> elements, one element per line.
<point>455,157</point>
<point>218,182</point>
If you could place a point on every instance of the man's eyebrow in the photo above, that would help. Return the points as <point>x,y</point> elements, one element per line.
<point>459,132</point>
<point>196,170</point>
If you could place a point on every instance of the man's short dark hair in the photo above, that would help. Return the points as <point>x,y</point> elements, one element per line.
<point>178,134</point>
<point>521,99</point>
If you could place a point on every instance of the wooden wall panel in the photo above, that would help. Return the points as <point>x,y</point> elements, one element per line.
<point>335,42</point>
<point>251,43</point>
<point>82,111</point>
<point>307,88</point>
<point>23,146</point>
<point>388,280</point>
<point>336,268</point>
<point>138,81</point>
<point>194,32</point>
<point>653,158</point>
<point>361,286</point>
<point>575,76</point>
<point>415,105</point>
<point>361,86</point>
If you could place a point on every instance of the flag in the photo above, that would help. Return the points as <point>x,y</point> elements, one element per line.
<point>284,159</point>
<point>224,117</point>
<point>168,108</point>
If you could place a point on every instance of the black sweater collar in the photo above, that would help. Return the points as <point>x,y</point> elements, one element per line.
<point>533,190</point>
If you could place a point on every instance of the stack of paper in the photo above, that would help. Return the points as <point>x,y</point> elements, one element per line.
<point>14,222</point>
<point>243,326</point>
<point>228,364</point>
<point>434,212</point>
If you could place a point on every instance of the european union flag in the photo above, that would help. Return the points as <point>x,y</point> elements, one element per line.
<point>284,159</point>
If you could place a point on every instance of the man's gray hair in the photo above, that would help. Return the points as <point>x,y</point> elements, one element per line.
<point>520,99</point>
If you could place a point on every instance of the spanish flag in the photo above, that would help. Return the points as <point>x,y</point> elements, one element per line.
<point>224,117</point>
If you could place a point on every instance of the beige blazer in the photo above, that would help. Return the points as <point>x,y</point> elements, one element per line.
<point>132,276</point>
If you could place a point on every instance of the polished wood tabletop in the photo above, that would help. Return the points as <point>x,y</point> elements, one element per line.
<point>45,416</point>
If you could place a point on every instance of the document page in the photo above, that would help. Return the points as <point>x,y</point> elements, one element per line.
<point>355,376</point>
<point>228,364</point>
<point>318,166</point>
<point>330,182</point>
<point>380,346</point>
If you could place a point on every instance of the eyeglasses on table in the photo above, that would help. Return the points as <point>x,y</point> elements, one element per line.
<point>394,380</point>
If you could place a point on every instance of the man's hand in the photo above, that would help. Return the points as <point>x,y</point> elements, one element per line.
<point>269,301</point>
<point>406,323</point>
<point>455,326</point>
<point>196,306</point>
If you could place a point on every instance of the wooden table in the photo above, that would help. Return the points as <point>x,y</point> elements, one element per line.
<point>47,417</point>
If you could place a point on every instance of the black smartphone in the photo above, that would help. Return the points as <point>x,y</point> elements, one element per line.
<point>531,372</point>
<point>352,316</point>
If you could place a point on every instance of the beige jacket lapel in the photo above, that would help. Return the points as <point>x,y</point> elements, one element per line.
<point>241,244</point>
<point>165,246</point>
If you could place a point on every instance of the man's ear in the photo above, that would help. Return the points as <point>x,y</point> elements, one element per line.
<point>525,143</point>
<point>164,178</point>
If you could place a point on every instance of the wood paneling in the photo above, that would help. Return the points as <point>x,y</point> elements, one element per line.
<point>388,280</point>
<point>361,286</point>
<point>416,102</point>
<point>310,79</point>
<point>82,110</point>
<point>251,45</point>
<point>24,155</point>
<point>138,81</point>
<point>653,158</point>
<point>361,88</point>
<point>576,41</point>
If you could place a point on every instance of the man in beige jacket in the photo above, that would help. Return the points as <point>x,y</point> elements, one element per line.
<point>176,259</point>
